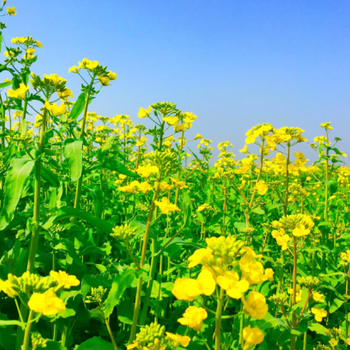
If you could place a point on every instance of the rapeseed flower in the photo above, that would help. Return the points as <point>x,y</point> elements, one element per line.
<point>46,303</point>
<point>255,306</point>
<point>193,317</point>
<point>65,280</point>
<point>319,314</point>
<point>252,336</point>
<point>19,93</point>
<point>165,206</point>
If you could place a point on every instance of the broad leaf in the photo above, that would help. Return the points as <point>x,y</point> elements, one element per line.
<point>17,176</point>
<point>73,152</point>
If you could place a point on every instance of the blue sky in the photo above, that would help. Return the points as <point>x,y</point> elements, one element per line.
<point>234,64</point>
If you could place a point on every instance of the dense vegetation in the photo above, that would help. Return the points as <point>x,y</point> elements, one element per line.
<point>114,235</point>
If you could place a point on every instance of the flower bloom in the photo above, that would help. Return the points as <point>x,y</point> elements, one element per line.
<point>261,187</point>
<point>233,286</point>
<point>177,340</point>
<point>64,279</point>
<point>319,314</point>
<point>300,230</point>
<point>144,113</point>
<point>87,64</point>
<point>56,110</point>
<point>165,206</point>
<point>255,306</point>
<point>11,11</point>
<point>65,94</point>
<point>252,336</point>
<point>7,288</point>
<point>199,256</point>
<point>46,303</point>
<point>19,93</point>
<point>147,170</point>
<point>193,317</point>
<point>203,207</point>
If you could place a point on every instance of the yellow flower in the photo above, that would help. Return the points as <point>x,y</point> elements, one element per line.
<point>56,110</point>
<point>333,342</point>
<point>19,93</point>
<point>199,256</point>
<point>90,65</point>
<point>261,187</point>
<point>165,206</point>
<point>178,340</point>
<point>283,241</point>
<point>65,94</point>
<point>164,186</point>
<point>171,120</point>
<point>145,187</point>
<point>206,282</point>
<point>252,336</point>
<point>74,69</point>
<point>29,53</point>
<point>7,288</point>
<point>300,230</point>
<point>233,286</point>
<point>147,170</point>
<point>186,289</point>
<point>319,314</point>
<point>317,296</point>
<point>203,207</point>
<point>198,137</point>
<point>47,303</point>
<point>268,274</point>
<point>112,75</point>
<point>255,306</point>
<point>193,317</point>
<point>103,80</point>
<point>64,279</point>
<point>253,271</point>
<point>178,184</point>
<point>244,149</point>
<point>144,113</point>
<point>11,11</point>
<point>326,125</point>
<point>131,188</point>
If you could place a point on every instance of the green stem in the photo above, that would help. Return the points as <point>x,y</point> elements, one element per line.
<point>111,334</point>
<point>36,209</point>
<point>294,318</point>
<point>287,180</point>
<point>218,321</point>
<point>143,258</point>
<point>80,180</point>
<point>26,339</point>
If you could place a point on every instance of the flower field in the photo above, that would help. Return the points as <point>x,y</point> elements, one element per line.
<point>118,236</point>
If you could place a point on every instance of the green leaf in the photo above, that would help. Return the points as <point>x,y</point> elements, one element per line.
<point>114,165</point>
<point>120,283</point>
<point>103,225</point>
<point>98,200</point>
<point>318,328</point>
<point>6,84</point>
<point>49,176</point>
<point>73,152</point>
<point>109,143</point>
<point>95,343</point>
<point>19,171</point>
<point>78,106</point>
<point>258,211</point>
<point>54,345</point>
<point>336,304</point>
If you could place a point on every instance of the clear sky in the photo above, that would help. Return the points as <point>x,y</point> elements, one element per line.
<point>233,63</point>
